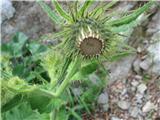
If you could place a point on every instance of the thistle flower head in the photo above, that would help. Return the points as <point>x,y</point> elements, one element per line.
<point>88,33</point>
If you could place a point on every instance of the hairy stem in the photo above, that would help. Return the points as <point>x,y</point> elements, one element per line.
<point>70,74</point>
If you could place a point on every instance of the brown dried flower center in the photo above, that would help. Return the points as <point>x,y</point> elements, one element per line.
<point>91,46</point>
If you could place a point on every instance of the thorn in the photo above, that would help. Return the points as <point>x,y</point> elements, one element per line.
<point>89,29</point>
<point>97,36</point>
<point>93,35</point>
<point>83,34</point>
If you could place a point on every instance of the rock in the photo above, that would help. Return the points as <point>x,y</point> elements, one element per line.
<point>103,101</point>
<point>93,78</point>
<point>139,50</point>
<point>134,83</point>
<point>154,25</point>
<point>124,92</point>
<point>133,89</point>
<point>154,51</point>
<point>8,10</point>
<point>120,69</point>
<point>103,98</point>
<point>154,48</point>
<point>140,118</point>
<point>99,119</point>
<point>141,88</point>
<point>138,77</point>
<point>136,65</point>
<point>29,19</point>
<point>145,65</point>
<point>8,30</point>
<point>139,98</point>
<point>77,91</point>
<point>148,107</point>
<point>115,118</point>
<point>124,105</point>
<point>105,107</point>
<point>134,112</point>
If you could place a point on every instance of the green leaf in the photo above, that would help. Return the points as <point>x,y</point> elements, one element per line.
<point>85,70</point>
<point>52,62</point>
<point>109,5</point>
<point>61,11</point>
<point>18,70</point>
<point>53,36</point>
<point>62,114</point>
<point>122,51</point>
<point>36,48</point>
<point>23,111</point>
<point>49,12</point>
<point>129,18</point>
<point>127,29</point>
<point>102,8</point>
<point>20,38</point>
<point>119,55</point>
<point>10,103</point>
<point>77,116</point>
<point>38,100</point>
<point>85,6</point>
<point>15,46</point>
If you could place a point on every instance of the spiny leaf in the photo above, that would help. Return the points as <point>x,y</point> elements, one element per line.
<point>50,12</point>
<point>102,8</point>
<point>120,55</point>
<point>66,64</point>
<point>52,63</point>
<point>53,36</point>
<point>61,11</point>
<point>85,70</point>
<point>76,8</point>
<point>24,112</point>
<point>109,5</point>
<point>85,6</point>
<point>129,18</point>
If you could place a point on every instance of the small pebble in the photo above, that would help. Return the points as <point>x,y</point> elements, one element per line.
<point>136,66</point>
<point>145,65</point>
<point>124,105</point>
<point>134,112</point>
<point>141,88</point>
<point>134,83</point>
<point>103,98</point>
<point>115,118</point>
<point>138,77</point>
<point>139,98</point>
<point>148,107</point>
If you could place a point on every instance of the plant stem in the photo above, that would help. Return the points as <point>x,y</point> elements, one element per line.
<point>63,73</point>
<point>70,74</point>
<point>47,93</point>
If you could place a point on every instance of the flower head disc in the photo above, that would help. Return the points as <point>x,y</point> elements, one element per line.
<point>91,46</point>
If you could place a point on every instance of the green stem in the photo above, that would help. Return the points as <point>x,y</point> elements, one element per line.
<point>53,115</point>
<point>47,93</point>
<point>68,77</point>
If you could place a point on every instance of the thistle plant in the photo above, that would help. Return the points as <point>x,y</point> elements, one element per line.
<point>87,37</point>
